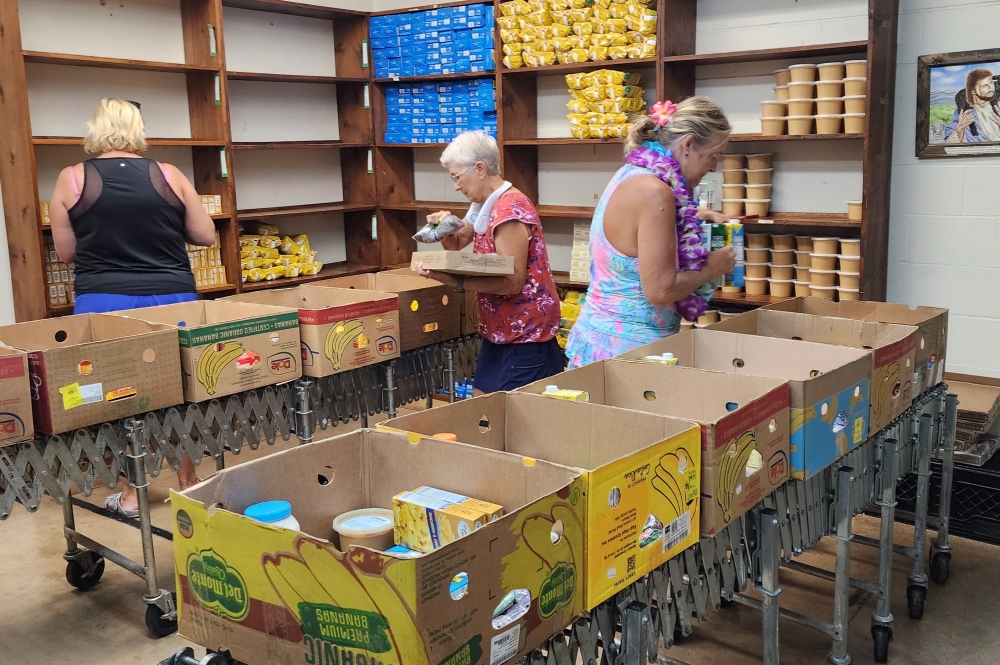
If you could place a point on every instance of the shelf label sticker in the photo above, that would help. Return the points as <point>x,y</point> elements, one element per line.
<point>370,169</point>
<point>374,227</point>
<point>368,97</point>
<point>212,51</point>
<point>364,53</point>
<point>222,161</point>
<point>218,90</point>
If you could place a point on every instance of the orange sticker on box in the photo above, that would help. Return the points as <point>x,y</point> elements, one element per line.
<point>430,327</point>
<point>122,394</point>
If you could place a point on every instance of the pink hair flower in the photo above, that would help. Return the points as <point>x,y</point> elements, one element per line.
<point>662,112</point>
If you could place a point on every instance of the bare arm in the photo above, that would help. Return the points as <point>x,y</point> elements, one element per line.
<point>458,240</point>
<point>199,229</point>
<point>662,283</point>
<point>63,198</point>
<point>512,238</point>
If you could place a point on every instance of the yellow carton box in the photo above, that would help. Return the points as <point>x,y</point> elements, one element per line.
<point>641,473</point>
<point>272,595</point>
<point>493,511</point>
<point>424,523</point>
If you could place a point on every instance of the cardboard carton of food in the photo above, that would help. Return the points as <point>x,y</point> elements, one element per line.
<point>464,263</point>
<point>230,347</point>
<point>16,422</point>
<point>828,386</point>
<point>339,329</point>
<point>743,419</point>
<point>892,345</point>
<point>429,311</point>
<point>88,369</point>
<point>272,595</point>
<point>932,343</point>
<point>641,473</point>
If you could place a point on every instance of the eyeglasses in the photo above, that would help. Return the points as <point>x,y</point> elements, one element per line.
<point>454,178</point>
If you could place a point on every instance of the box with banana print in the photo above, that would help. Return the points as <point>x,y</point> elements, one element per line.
<point>641,473</point>
<point>271,595</point>
<point>229,347</point>
<point>893,347</point>
<point>744,424</point>
<point>340,329</point>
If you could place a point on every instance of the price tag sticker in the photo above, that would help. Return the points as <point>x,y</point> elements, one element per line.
<point>72,397</point>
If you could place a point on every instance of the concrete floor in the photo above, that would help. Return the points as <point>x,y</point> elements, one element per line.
<point>43,621</point>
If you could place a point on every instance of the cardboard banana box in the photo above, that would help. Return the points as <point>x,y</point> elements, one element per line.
<point>272,595</point>
<point>230,347</point>
<point>743,419</point>
<point>16,421</point>
<point>641,473</point>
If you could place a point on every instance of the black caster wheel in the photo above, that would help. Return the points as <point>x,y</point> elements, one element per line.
<point>940,567</point>
<point>915,596</point>
<point>85,572</point>
<point>156,624</point>
<point>882,635</point>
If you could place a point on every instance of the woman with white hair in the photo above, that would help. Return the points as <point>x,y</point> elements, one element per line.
<point>518,314</point>
<point>124,220</point>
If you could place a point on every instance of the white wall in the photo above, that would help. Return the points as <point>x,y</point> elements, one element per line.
<point>6,289</point>
<point>943,231</point>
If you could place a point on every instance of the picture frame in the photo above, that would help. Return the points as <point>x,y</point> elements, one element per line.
<point>948,125</point>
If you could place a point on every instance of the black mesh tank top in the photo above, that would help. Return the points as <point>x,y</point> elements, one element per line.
<point>129,227</point>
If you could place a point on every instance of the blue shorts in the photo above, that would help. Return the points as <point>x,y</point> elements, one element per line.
<point>512,366</point>
<point>97,303</point>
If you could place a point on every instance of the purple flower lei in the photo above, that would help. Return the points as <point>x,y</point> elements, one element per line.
<point>691,253</point>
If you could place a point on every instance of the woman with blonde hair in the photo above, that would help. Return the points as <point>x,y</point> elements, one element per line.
<point>648,265</point>
<point>124,220</point>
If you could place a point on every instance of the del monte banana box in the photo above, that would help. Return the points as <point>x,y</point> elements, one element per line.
<point>91,368</point>
<point>827,386</point>
<point>340,329</point>
<point>429,311</point>
<point>893,347</point>
<point>229,347</point>
<point>932,341</point>
<point>271,595</point>
<point>641,472</point>
<point>744,424</point>
<point>16,423</point>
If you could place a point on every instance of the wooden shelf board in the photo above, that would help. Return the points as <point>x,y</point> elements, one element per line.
<point>218,288</point>
<point>59,310</point>
<point>570,212</point>
<point>754,138</point>
<point>804,219</point>
<point>838,48</point>
<point>297,211</point>
<point>581,66</point>
<point>342,269</point>
<point>439,146</point>
<point>78,140</point>
<point>291,78</point>
<point>291,145</point>
<point>567,140</point>
<point>744,299</point>
<point>293,8</point>
<point>439,77</point>
<point>562,279</point>
<point>221,215</point>
<point>113,63</point>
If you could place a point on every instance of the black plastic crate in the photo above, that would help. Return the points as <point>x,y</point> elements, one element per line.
<point>975,503</point>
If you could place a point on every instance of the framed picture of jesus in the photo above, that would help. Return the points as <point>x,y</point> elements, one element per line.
<point>958,104</point>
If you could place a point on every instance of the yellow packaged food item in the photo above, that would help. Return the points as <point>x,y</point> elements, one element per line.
<point>248,253</point>
<point>600,40</point>
<point>574,81</point>
<point>557,30</point>
<point>579,15</point>
<point>579,131</point>
<point>291,270</point>
<point>561,18</point>
<point>541,59</point>
<point>530,35</point>
<point>634,50</point>
<point>510,36</point>
<point>617,52</point>
<point>249,241</point>
<point>247,264</point>
<point>617,25</point>
<point>577,106</point>
<point>269,242</point>
<point>267,252</point>
<point>634,37</point>
<point>521,7</point>
<point>598,53</point>
<point>273,273</point>
<point>310,268</point>
<point>287,260</point>
<point>593,93</point>
<point>545,45</point>
<point>647,49</point>
<point>253,275</point>
<point>563,58</point>
<point>644,24</point>
<point>425,523</point>
<point>605,4</point>
<point>578,55</point>
<point>507,9</point>
<point>537,6</point>
<point>263,229</point>
<point>512,49</point>
<point>530,47</point>
<point>556,5</point>
<point>618,91</point>
<point>612,118</point>
<point>577,4</point>
<point>581,118</point>
<point>601,13</point>
<point>583,29</point>
<point>536,19</point>
<point>562,44</point>
<point>294,245</point>
<point>618,39</point>
<point>618,10</point>
<point>507,23</point>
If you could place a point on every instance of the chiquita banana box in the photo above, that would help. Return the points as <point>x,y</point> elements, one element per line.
<point>341,329</point>
<point>229,347</point>
<point>271,595</point>
<point>641,471</point>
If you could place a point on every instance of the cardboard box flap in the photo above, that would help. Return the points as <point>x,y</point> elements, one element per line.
<point>69,331</point>
<point>397,283</point>
<point>368,469</point>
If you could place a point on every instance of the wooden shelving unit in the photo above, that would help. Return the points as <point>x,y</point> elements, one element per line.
<point>384,186</point>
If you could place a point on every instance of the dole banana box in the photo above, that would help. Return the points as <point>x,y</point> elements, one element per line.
<point>893,346</point>
<point>16,422</point>
<point>91,368</point>
<point>641,473</point>
<point>932,322</point>
<point>827,386</point>
<point>339,329</point>
<point>429,311</point>
<point>230,347</point>
<point>743,419</point>
<point>272,595</point>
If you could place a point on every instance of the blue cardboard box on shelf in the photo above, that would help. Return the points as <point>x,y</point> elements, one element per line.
<point>381,69</point>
